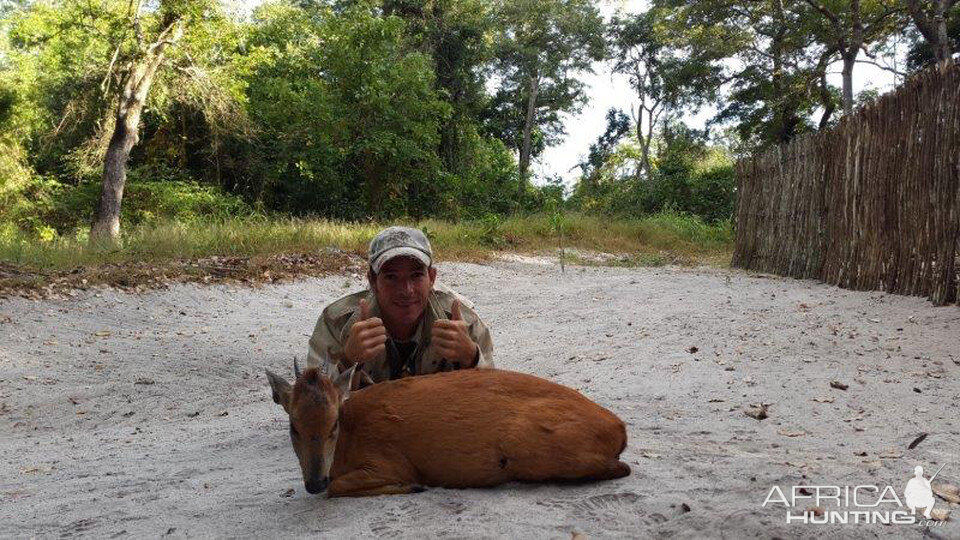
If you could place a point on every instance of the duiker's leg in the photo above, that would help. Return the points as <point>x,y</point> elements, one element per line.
<point>613,469</point>
<point>363,483</point>
<point>589,469</point>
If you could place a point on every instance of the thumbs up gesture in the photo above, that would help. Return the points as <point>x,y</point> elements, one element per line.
<point>367,338</point>
<point>452,340</point>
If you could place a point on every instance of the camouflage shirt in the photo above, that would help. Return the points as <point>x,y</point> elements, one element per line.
<point>333,328</point>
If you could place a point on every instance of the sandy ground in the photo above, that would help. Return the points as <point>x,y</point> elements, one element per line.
<point>149,415</point>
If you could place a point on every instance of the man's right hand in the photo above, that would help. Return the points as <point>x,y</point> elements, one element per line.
<point>368,337</point>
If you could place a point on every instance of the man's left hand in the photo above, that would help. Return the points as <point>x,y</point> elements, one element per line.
<point>452,339</point>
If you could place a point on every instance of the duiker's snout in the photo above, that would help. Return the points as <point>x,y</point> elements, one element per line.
<point>317,486</point>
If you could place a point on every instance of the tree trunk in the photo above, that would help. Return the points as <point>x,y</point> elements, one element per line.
<point>826,100</point>
<point>781,115</point>
<point>850,53</point>
<point>645,146</point>
<point>849,59</point>
<point>528,123</point>
<point>942,48</point>
<point>933,29</point>
<point>140,75</point>
<point>450,146</point>
<point>653,115</point>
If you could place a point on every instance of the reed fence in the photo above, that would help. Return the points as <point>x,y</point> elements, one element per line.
<point>872,204</point>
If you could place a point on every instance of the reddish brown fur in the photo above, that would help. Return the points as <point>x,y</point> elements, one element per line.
<point>469,428</point>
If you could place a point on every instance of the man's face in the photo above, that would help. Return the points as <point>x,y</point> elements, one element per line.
<point>402,288</point>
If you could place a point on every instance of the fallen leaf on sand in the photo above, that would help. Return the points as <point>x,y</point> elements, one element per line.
<point>287,493</point>
<point>947,492</point>
<point>891,453</point>
<point>692,350</point>
<point>102,333</point>
<point>839,385</point>
<point>823,399</point>
<point>917,441</point>
<point>790,433</point>
<point>758,411</point>
<point>577,536</point>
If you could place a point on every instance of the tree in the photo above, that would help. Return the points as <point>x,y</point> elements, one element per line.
<point>346,107</point>
<point>760,51</point>
<point>198,80</point>
<point>618,125</point>
<point>662,78</point>
<point>137,80</point>
<point>542,46</point>
<point>931,19</point>
<point>851,26</point>
<point>455,34</point>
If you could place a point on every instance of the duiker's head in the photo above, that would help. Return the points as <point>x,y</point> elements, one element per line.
<point>313,404</point>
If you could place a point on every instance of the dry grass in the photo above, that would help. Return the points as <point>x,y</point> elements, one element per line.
<point>257,250</point>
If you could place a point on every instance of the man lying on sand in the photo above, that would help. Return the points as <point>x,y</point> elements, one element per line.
<point>406,323</point>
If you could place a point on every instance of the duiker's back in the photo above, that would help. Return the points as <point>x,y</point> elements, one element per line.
<point>480,427</point>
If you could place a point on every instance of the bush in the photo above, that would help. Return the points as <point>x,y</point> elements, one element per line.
<point>708,194</point>
<point>46,208</point>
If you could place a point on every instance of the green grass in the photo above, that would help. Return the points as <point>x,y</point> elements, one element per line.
<point>656,239</point>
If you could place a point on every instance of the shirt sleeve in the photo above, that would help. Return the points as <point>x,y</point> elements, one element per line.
<point>324,345</point>
<point>480,335</point>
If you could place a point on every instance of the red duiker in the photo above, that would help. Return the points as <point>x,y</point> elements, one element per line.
<point>469,428</point>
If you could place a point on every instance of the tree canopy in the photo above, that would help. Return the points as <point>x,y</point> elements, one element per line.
<point>356,109</point>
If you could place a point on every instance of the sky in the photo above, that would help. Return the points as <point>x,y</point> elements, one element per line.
<point>608,90</point>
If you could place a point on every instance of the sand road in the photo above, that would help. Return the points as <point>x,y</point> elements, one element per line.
<point>148,415</point>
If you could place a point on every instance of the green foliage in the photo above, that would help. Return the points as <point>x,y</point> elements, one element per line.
<point>46,207</point>
<point>400,109</point>
<point>488,182</point>
<point>490,234</point>
<point>366,125</point>
<point>690,178</point>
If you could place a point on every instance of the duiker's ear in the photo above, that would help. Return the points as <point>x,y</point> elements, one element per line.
<point>281,390</point>
<point>342,382</point>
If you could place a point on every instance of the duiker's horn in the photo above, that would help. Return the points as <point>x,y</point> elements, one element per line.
<point>296,368</point>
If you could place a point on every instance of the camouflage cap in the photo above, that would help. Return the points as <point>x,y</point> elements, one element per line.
<point>399,241</point>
